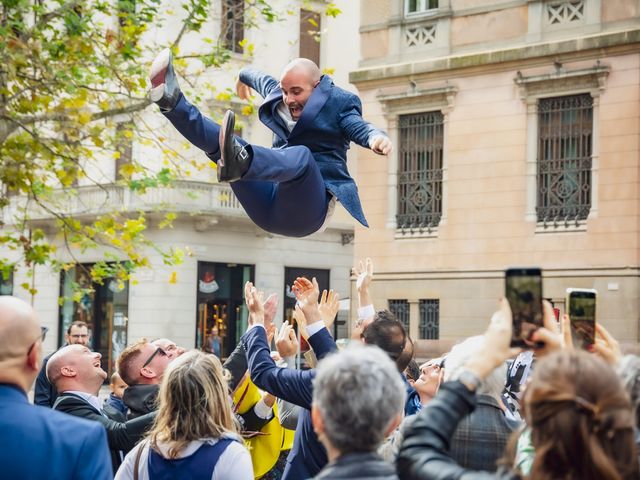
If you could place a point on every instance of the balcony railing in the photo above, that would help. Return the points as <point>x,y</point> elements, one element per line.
<point>182,197</point>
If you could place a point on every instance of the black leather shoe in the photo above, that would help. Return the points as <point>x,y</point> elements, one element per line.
<point>235,159</point>
<point>165,91</point>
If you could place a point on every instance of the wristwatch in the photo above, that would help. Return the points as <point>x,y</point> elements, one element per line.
<point>469,380</point>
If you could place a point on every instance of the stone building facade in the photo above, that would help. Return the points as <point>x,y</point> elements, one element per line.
<point>516,126</point>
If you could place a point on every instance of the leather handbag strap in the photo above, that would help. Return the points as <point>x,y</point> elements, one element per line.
<point>136,465</point>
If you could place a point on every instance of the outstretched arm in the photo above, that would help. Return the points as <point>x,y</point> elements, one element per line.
<point>359,131</point>
<point>261,82</point>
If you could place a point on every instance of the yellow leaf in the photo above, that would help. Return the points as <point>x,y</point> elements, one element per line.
<point>247,110</point>
<point>173,278</point>
<point>116,155</point>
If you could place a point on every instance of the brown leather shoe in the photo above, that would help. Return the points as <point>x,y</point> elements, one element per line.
<point>234,158</point>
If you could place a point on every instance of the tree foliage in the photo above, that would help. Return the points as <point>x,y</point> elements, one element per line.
<point>72,88</point>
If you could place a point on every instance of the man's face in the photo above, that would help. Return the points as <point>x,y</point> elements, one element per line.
<point>297,86</point>
<point>87,365</point>
<point>78,336</point>
<point>156,360</point>
<point>170,348</point>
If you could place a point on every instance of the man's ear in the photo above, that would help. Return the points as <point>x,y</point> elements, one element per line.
<point>68,371</point>
<point>34,360</point>
<point>147,372</point>
<point>394,424</point>
<point>316,420</point>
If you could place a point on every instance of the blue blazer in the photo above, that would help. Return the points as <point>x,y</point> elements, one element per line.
<point>330,120</point>
<point>308,455</point>
<point>37,442</point>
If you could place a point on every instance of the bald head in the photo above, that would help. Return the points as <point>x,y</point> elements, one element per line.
<point>19,327</point>
<point>305,66</point>
<point>299,78</point>
<point>19,342</point>
<point>75,367</point>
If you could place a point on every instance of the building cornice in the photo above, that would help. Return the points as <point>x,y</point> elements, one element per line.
<point>626,40</point>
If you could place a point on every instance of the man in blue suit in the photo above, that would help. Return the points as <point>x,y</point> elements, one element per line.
<point>36,441</point>
<point>307,456</point>
<point>289,189</point>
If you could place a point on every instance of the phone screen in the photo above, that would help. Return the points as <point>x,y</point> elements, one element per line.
<point>524,292</point>
<point>582,312</point>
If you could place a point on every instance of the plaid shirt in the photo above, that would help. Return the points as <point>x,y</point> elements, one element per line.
<point>481,437</point>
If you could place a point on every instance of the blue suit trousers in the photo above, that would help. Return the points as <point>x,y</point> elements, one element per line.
<point>283,191</point>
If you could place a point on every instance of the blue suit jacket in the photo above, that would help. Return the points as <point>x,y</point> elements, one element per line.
<point>330,120</point>
<point>37,442</point>
<point>307,456</point>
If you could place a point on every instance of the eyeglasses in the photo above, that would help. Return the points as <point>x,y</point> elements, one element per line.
<point>43,334</point>
<point>158,351</point>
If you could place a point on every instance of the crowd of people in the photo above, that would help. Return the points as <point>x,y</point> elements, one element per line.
<point>367,411</point>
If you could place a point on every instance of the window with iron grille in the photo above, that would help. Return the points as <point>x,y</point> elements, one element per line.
<point>420,170</point>
<point>400,308</point>
<point>429,319</point>
<point>565,128</point>
<point>419,6</point>
<point>232,32</point>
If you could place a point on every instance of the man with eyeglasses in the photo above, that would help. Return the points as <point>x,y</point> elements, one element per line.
<point>141,366</point>
<point>77,374</point>
<point>45,394</point>
<point>38,442</point>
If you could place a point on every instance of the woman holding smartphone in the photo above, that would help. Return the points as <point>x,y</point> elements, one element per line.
<point>581,421</point>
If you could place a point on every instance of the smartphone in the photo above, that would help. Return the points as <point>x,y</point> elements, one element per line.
<point>581,307</point>
<point>523,287</point>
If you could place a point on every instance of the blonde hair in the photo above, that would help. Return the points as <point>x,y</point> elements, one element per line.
<point>194,402</point>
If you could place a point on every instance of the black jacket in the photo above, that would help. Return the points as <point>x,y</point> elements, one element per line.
<point>424,452</point>
<point>141,399</point>
<point>121,436</point>
<point>44,393</point>
<point>358,466</point>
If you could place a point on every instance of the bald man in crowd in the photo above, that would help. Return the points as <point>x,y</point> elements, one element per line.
<point>44,393</point>
<point>290,189</point>
<point>76,373</point>
<point>37,442</point>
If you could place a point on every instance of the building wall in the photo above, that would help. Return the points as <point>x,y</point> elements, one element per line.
<point>162,299</point>
<point>487,220</point>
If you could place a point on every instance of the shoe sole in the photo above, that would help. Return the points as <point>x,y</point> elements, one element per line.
<point>159,68</point>
<point>226,129</point>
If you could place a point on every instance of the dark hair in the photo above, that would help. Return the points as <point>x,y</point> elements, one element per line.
<point>406,356</point>
<point>412,372</point>
<point>79,324</point>
<point>578,409</point>
<point>388,333</point>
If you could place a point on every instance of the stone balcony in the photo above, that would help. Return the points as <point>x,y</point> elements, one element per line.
<point>190,197</point>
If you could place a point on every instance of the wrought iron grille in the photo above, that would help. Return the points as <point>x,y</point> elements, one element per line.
<point>565,127</point>
<point>400,308</point>
<point>430,319</point>
<point>420,171</point>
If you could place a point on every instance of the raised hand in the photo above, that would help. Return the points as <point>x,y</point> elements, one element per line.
<point>243,90</point>
<point>548,336</point>
<point>329,304</point>
<point>606,346</point>
<point>496,343</point>
<point>254,301</point>
<point>364,274</point>
<point>270,306</point>
<point>307,293</point>
<point>286,341</point>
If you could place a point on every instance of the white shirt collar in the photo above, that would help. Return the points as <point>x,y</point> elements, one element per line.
<point>91,399</point>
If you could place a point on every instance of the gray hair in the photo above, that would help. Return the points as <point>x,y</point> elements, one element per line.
<point>492,385</point>
<point>358,393</point>
<point>629,371</point>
